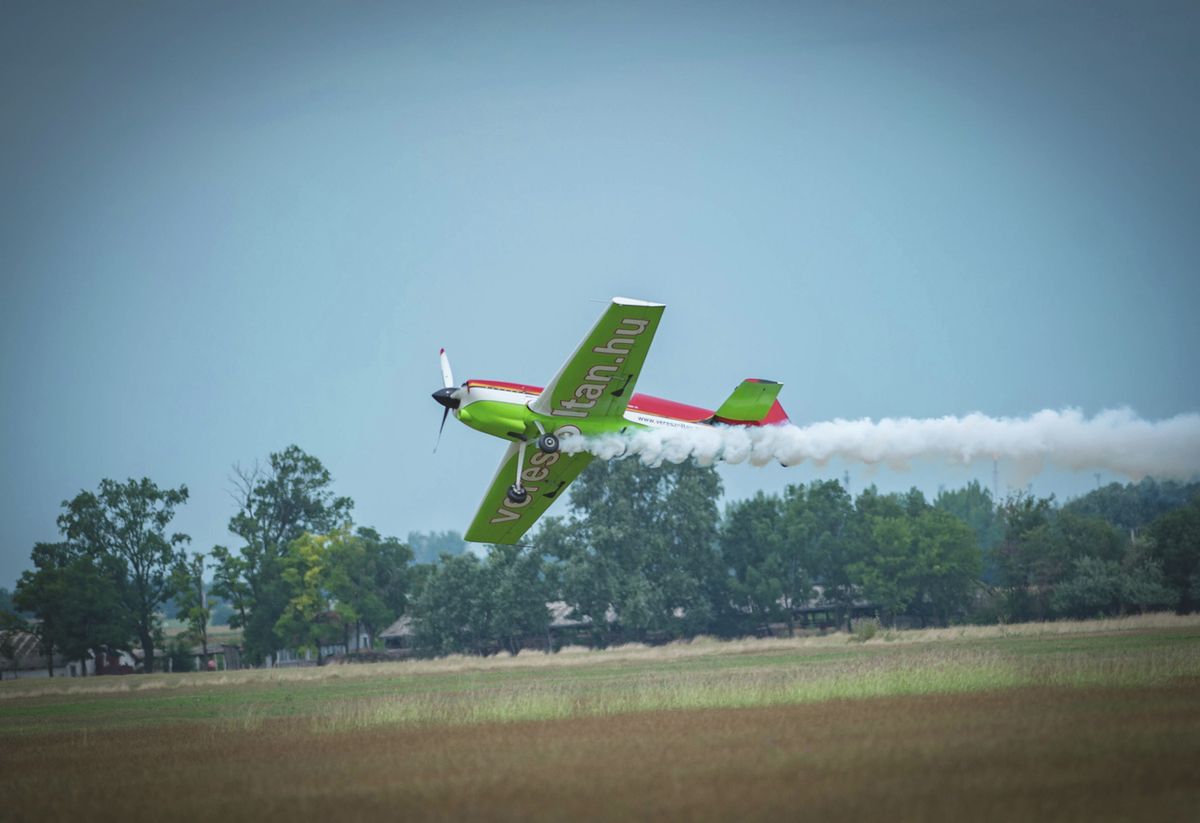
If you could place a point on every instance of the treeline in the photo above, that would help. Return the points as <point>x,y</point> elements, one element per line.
<point>302,576</point>
<point>647,554</point>
<point>643,554</point>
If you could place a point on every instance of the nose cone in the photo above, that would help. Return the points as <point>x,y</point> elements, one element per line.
<point>446,397</point>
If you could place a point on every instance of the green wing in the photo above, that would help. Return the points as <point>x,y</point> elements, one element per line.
<point>545,477</point>
<point>598,380</point>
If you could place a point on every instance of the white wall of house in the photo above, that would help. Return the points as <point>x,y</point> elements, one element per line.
<point>291,657</point>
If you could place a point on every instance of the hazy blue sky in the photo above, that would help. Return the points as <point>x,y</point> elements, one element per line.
<point>225,228</point>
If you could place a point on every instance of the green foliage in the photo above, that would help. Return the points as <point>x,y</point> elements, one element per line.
<point>766,574</point>
<point>1094,590</point>
<point>231,584</point>
<point>75,600</point>
<point>1065,562</point>
<point>179,653</point>
<point>1099,587</point>
<point>191,602</point>
<point>973,505</point>
<point>306,621</point>
<point>339,581</point>
<point>913,558</point>
<point>367,577</point>
<point>479,606</point>
<point>123,527</point>
<point>1134,506</point>
<point>643,541</point>
<point>819,522</point>
<point>1176,546</point>
<point>1021,558</point>
<point>451,613</point>
<point>517,587</point>
<point>277,504</point>
<point>863,629</point>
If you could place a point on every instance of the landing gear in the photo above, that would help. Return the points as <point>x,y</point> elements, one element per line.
<point>517,496</point>
<point>548,443</point>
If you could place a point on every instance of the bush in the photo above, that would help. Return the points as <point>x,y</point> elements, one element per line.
<point>863,629</point>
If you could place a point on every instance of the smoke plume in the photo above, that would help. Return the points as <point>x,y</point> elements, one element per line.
<point>1116,440</point>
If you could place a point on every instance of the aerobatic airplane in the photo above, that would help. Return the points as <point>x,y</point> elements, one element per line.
<point>591,394</point>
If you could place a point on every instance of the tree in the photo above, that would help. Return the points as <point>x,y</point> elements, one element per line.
<point>452,608</point>
<point>517,588</point>
<point>306,620</point>
<point>1019,559</point>
<point>1078,535</point>
<point>123,526</point>
<point>1134,506</point>
<point>1176,547</point>
<point>1144,586</point>
<point>1093,590</point>
<point>368,578</point>
<point>277,503</point>
<point>1100,587</point>
<point>947,565</point>
<point>229,583</point>
<point>338,581</point>
<point>643,541</point>
<point>973,505</point>
<point>817,520</point>
<point>886,564</point>
<point>75,601</point>
<point>468,605</point>
<point>913,558</point>
<point>766,576</point>
<point>187,589</point>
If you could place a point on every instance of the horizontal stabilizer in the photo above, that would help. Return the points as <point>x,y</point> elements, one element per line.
<point>753,403</point>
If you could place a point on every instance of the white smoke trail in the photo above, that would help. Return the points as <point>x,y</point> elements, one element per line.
<point>1116,440</point>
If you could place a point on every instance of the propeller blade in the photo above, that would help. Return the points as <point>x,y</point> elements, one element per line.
<point>447,375</point>
<point>438,442</point>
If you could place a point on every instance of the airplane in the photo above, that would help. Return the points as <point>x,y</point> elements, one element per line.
<point>591,394</point>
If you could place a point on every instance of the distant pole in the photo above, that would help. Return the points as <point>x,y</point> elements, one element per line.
<point>846,480</point>
<point>995,479</point>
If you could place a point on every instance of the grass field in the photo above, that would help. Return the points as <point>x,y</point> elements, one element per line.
<point>1090,720</point>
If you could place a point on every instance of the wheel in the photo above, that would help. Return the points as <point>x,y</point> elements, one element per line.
<point>548,443</point>
<point>517,495</point>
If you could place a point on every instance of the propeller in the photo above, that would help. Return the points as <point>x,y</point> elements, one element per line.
<point>438,442</point>
<point>447,396</point>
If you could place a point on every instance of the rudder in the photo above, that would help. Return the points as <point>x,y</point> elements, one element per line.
<point>753,403</point>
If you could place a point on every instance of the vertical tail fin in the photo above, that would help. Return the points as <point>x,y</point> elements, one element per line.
<point>753,403</point>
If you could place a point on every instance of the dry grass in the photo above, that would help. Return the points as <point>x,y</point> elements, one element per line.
<point>1073,721</point>
<point>857,677</point>
<point>576,656</point>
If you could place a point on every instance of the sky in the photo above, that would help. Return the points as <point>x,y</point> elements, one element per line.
<point>230,227</point>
